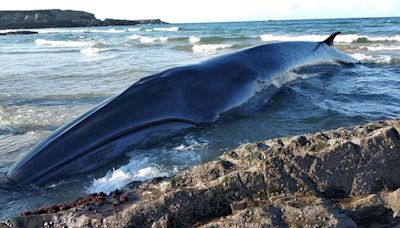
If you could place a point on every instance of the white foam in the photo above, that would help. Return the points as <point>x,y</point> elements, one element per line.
<point>5,123</point>
<point>170,29</point>
<point>194,39</point>
<point>47,31</point>
<point>382,59</point>
<point>135,170</point>
<point>343,38</point>
<point>112,30</point>
<point>91,51</point>
<point>133,29</point>
<point>210,47</point>
<point>148,40</point>
<point>9,30</point>
<point>116,30</point>
<point>384,38</point>
<point>59,43</point>
<point>134,37</point>
<point>145,165</point>
<point>383,48</point>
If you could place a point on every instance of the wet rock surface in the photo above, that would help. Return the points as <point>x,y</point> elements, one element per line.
<point>18,33</point>
<point>338,178</point>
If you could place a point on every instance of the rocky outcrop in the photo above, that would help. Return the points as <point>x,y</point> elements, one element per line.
<point>338,178</point>
<point>18,33</point>
<point>59,18</point>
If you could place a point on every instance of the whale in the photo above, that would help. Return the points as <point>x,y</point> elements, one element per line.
<point>165,104</point>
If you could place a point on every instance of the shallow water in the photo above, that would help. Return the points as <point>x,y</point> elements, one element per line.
<point>49,78</point>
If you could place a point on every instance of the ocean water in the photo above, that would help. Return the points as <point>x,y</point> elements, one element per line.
<point>47,79</point>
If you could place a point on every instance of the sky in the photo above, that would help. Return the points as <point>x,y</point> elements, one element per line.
<point>182,11</point>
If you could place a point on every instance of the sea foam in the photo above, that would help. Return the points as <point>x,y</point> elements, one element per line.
<point>148,40</point>
<point>168,29</point>
<point>381,59</point>
<point>144,165</point>
<point>383,48</point>
<point>67,43</point>
<point>135,170</point>
<point>210,47</point>
<point>343,38</point>
<point>112,30</point>
<point>194,39</point>
<point>133,29</point>
<point>90,51</point>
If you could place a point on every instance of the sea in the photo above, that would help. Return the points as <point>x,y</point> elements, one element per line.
<point>49,78</point>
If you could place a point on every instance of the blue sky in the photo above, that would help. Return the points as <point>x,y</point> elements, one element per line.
<point>216,10</point>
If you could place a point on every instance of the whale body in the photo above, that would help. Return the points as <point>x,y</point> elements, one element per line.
<point>162,105</point>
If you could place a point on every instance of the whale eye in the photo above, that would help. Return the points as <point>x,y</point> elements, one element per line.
<point>261,81</point>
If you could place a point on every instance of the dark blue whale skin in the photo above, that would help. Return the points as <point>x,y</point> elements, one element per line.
<point>162,105</point>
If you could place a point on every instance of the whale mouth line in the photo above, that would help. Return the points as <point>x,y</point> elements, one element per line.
<point>110,139</point>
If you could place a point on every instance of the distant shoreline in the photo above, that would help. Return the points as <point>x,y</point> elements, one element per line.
<point>56,18</point>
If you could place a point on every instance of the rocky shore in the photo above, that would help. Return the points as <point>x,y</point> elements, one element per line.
<point>18,33</point>
<point>56,18</point>
<point>338,178</point>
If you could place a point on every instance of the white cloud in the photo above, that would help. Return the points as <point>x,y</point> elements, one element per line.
<point>217,10</point>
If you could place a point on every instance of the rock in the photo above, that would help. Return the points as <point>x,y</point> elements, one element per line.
<point>18,33</point>
<point>59,18</point>
<point>339,178</point>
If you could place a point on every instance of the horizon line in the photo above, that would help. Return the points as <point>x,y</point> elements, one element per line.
<point>233,21</point>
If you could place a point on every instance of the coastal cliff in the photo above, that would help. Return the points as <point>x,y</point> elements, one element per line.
<point>59,18</point>
<point>338,178</point>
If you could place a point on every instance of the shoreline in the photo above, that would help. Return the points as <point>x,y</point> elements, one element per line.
<point>343,177</point>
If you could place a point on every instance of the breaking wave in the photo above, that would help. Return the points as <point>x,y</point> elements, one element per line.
<point>59,43</point>
<point>194,39</point>
<point>137,170</point>
<point>381,59</point>
<point>383,48</point>
<point>148,40</point>
<point>88,48</point>
<point>112,30</point>
<point>169,29</point>
<point>90,51</point>
<point>133,29</point>
<point>345,38</point>
<point>210,47</point>
<point>145,165</point>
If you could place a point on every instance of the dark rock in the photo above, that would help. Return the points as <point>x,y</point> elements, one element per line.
<point>338,178</point>
<point>18,33</point>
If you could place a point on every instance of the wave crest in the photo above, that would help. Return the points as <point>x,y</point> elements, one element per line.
<point>67,43</point>
<point>194,39</point>
<point>145,165</point>
<point>148,40</point>
<point>347,38</point>
<point>167,29</point>
<point>381,59</point>
<point>210,47</point>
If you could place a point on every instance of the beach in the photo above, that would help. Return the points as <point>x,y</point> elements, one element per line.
<point>51,77</point>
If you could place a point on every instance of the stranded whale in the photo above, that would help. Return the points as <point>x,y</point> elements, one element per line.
<point>162,105</point>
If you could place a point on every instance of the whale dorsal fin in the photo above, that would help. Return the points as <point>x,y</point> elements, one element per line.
<point>329,40</point>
